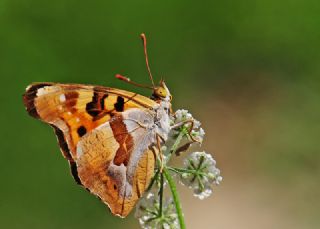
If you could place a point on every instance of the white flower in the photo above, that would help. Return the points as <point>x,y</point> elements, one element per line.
<point>148,213</point>
<point>198,135</point>
<point>196,124</point>
<point>201,174</point>
<point>182,115</point>
<point>183,120</point>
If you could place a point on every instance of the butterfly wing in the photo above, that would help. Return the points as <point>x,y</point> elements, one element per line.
<point>78,113</point>
<point>74,109</point>
<point>116,162</point>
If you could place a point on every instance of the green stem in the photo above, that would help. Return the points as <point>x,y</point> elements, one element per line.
<point>193,171</point>
<point>175,196</point>
<point>161,195</point>
<point>175,145</point>
<point>154,178</point>
<point>177,142</point>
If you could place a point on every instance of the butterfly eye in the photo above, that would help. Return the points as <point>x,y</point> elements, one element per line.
<point>160,92</point>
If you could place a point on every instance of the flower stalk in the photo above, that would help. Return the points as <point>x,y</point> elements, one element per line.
<point>175,196</point>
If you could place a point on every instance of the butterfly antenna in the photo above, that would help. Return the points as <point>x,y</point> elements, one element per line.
<point>144,40</point>
<point>125,79</point>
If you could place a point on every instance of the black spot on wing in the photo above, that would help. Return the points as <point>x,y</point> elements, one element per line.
<point>119,105</point>
<point>96,106</point>
<point>91,107</point>
<point>102,101</point>
<point>81,131</point>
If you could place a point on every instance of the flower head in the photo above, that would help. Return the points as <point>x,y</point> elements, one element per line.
<point>200,174</point>
<point>183,121</point>
<point>150,217</point>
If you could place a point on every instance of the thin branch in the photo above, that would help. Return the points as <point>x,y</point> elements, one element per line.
<point>175,196</point>
<point>161,195</point>
<point>154,178</point>
<point>175,145</point>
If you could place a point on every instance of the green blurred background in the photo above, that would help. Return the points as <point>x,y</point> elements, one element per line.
<point>249,70</point>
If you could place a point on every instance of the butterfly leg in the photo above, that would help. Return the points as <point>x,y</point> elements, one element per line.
<point>160,153</point>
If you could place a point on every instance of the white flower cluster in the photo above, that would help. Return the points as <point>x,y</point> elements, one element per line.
<point>148,213</point>
<point>186,119</point>
<point>201,174</point>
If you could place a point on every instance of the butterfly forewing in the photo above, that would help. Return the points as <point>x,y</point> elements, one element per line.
<point>77,109</point>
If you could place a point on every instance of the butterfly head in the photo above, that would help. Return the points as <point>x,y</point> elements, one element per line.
<point>161,92</point>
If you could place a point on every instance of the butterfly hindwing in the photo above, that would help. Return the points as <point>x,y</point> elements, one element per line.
<point>116,160</point>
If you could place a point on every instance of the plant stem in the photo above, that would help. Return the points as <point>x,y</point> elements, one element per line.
<point>175,196</point>
<point>193,171</point>
<point>177,142</point>
<point>161,195</point>
<point>154,178</point>
<point>175,145</point>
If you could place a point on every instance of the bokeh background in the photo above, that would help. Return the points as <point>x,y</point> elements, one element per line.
<point>249,70</point>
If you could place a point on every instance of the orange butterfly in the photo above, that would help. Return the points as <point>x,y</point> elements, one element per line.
<point>109,136</point>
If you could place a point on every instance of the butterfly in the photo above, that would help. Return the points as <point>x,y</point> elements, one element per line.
<point>110,137</point>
